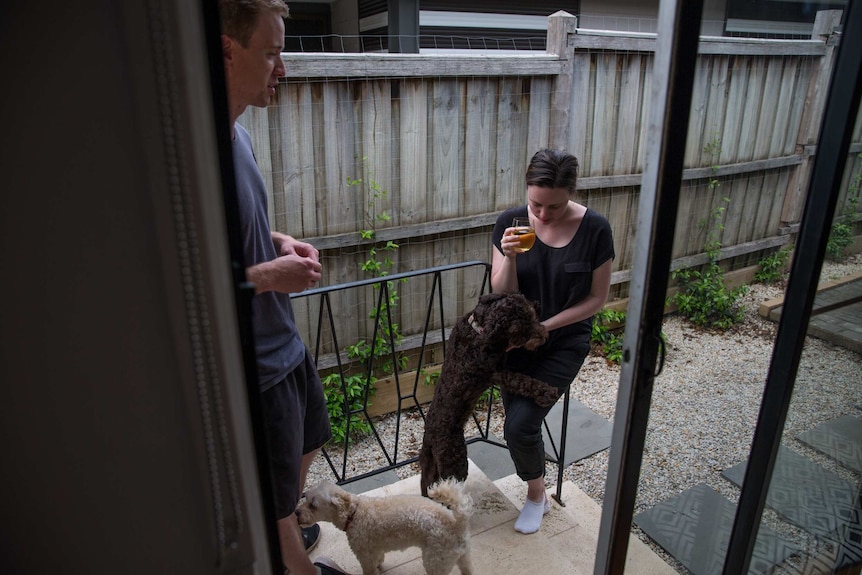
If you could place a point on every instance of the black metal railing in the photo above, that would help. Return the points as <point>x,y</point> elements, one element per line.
<point>407,396</point>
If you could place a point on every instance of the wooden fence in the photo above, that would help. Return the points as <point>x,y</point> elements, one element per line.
<point>440,143</point>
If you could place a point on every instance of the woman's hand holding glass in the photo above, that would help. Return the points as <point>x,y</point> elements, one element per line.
<point>519,238</point>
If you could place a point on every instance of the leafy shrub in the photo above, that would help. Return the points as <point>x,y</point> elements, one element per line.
<point>609,340</point>
<point>841,235</point>
<point>702,297</point>
<point>353,389</point>
<point>705,300</point>
<point>375,357</point>
<point>772,266</point>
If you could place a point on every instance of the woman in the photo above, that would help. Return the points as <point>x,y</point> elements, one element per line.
<point>568,271</point>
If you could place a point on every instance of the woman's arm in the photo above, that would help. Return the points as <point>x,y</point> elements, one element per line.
<point>588,306</point>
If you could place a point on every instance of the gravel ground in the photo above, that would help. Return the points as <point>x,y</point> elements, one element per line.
<point>703,412</point>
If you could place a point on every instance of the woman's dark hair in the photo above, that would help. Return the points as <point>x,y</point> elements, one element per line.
<point>551,168</point>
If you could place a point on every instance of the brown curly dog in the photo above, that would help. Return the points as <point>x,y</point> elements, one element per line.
<point>474,361</point>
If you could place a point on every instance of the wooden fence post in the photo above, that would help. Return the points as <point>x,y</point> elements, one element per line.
<point>825,26</point>
<point>560,26</point>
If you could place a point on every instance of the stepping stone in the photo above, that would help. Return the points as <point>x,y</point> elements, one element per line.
<point>372,482</point>
<point>494,461</point>
<point>815,499</point>
<point>806,494</point>
<point>840,439</point>
<point>587,434</point>
<point>694,527</point>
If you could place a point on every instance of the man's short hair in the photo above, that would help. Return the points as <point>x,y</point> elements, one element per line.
<point>238,17</point>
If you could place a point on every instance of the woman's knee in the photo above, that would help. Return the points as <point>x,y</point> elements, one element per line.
<point>519,434</point>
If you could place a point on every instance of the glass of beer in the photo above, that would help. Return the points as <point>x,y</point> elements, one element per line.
<point>525,233</point>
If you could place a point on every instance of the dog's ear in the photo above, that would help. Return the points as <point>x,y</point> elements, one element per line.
<point>340,499</point>
<point>312,501</point>
<point>484,303</point>
<point>319,495</point>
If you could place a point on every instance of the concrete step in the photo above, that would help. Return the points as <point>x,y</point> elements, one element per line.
<point>574,530</point>
<point>566,542</point>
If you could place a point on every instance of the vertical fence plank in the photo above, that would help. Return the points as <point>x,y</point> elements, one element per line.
<point>629,115</point>
<point>732,128</point>
<point>561,28</point>
<point>374,146</point>
<point>825,23</point>
<point>697,127</point>
<point>751,108</point>
<point>414,150</point>
<point>480,145</point>
<point>343,210</point>
<point>604,121</point>
<point>778,140</point>
<point>581,104</point>
<point>511,144</point>
<point>447,149</point>
<point>716,101</point>
<point>307,190</point>
<point>767,225</point>
<point>538,127</point>
<point>647,62</point>
<point>622,216</point>
<point>769,104</point>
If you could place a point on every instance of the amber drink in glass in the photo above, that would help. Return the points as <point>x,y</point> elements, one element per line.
<point>525,233</point>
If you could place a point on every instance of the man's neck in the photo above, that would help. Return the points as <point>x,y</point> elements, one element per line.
<point>234,115</point>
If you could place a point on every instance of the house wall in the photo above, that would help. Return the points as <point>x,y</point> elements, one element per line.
<point>642,15</point>
<point>345,22</point>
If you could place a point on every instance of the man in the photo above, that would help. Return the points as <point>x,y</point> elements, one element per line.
<point>294,407</point>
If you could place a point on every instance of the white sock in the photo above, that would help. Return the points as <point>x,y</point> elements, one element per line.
<point>530,518</point>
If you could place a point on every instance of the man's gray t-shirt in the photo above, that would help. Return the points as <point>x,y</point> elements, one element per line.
<point>278,345</point>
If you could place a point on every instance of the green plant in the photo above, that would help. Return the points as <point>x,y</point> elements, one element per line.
<point>491,394</point>
<point>379,263</point>
<point>377,357</point>
<point>713,150</point>
<point>840,237</point>
<point>841,234</point>
<point>430,377</point>
<point>607,334</point>
<point>351,389</point>
<point>771,267</point>
<point>702,297</point>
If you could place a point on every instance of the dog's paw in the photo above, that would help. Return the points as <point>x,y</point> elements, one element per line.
<point>548,397</point>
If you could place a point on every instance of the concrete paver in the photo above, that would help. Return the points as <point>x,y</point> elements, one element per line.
<point>841,323</point>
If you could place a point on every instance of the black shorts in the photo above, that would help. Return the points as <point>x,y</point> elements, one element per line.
<point>296,422</point>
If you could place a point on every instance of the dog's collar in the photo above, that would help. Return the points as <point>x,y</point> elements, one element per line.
<point>349,520</point>
<point>475,325</point>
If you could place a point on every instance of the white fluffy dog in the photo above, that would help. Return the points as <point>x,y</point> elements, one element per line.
<point>375,525</point>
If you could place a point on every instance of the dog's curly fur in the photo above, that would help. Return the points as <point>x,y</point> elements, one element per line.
<point>375,525</point>
<point>474,361</point>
